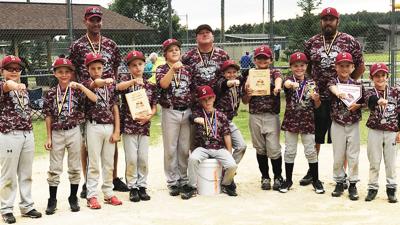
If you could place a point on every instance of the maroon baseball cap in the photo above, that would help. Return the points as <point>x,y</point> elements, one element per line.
<point>204,27</point>
<point>169,42</point>
<point>134,55</point>
<point>205,92</point>
<point>229,63</point>
<point>93,11</point>
<point>344,57</point>
<point>263,50</point>
<point>11,59</point>
<point>378,67</point>
<point>298,57</point>
<point>94,57</point>
<point>329,12</point>
<point>63,62</point>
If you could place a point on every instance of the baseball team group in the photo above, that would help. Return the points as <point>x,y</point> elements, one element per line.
<point>199,92</point>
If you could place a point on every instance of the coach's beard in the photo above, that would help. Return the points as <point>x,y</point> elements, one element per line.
<point>328,32</point>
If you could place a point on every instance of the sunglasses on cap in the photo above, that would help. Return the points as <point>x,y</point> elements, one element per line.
<point>13,69</point>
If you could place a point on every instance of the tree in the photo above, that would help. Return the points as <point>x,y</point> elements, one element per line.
<point>153,13</point>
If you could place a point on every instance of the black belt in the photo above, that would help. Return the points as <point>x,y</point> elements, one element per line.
<point>180,108</point>
<point>69,127</point>
<point>96,122</point>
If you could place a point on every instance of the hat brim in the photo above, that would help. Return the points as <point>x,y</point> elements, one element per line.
<point>19,63</point>
<point>296,61</point>
<point>93,15</point>
<point>65,65</point>
<point>206,96</point>
<point>264,54</point>
<point>203,27</point>
<point>95,60</point>
<point>133,58</point>
<point>172,44</point>
<point>237,67</point>
<point>376,71</point>
<point>344,60</point>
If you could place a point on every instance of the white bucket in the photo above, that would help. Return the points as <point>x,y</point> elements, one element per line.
<point>209,177</point>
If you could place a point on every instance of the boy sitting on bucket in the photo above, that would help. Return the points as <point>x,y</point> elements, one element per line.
<point>212,140</point>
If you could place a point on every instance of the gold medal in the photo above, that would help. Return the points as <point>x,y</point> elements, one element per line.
<point>329,48</point>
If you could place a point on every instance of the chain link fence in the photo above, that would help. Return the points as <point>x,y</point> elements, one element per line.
<point>38,48</point>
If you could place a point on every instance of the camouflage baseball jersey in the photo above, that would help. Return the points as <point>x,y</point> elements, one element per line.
<point>228,99</point>
<point>267,103</point>
<point>207,137</point>
<point>299,113</point>
<point>101,111</point>
<point>179,92</point>
<point>388,118</point>
<point>128,125</point>
<point>323,64</point>
<point>81,47</point>
<point>205,66</point>
<point>72,108</point>
<point>15,113</point>
<point>339,111</point>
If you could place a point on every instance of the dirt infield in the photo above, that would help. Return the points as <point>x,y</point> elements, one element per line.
<point>253,206</point>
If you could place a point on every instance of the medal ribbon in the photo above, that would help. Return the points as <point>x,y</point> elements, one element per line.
<point>60,103</point>
<point>382,109</point>
<point>20,100</point>
<point>177,77</point>
<point>211,123</point>
<point>300,91</point>
<point>234,97</point>
<point>105,96</point>
<point>92,46</point>
<point>328,49</point>
<point>201,57</point>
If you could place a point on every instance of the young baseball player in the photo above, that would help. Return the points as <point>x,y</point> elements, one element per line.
<point>136,131</point>
<point>345,129</point>
<point>229,92</point>
<point>63,107</point>
<point>175,82</point>
<point>102,129</point>
<point>264,121</point>
<point>212,140</point>
<point>301,99</point>
<point>16,142</point>
<point>383,132</point>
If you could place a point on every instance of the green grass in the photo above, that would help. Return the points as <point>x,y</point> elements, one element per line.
<point>241,122</point>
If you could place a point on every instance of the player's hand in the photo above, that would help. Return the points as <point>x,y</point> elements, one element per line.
<point>315,96</point>
<point>354,107</point>
<point>382,102</point>
<point>108,81</point>
<point>177,66</point>
<point>48,145</point>
<point>341,95</point>
<point>143,119</point>
<point>277,90</point>
<point>232,83</point>
<point>295,85</point>
<point>21,87</point>
<point>199,120</point>
<point>398,137</point>
<point>115,137</point>
<point>138,81</point>
<point>74,85</point>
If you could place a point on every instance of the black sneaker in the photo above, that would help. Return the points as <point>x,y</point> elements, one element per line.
<point>32,214</point>
<point>278,181</point>
<point>134,195</point>
<point>229,190</point>
<point>265,183</point>
<point>143,195</point>
<point>119,185</point>
<point>188,192</point>
<point>84,191</point>
<point>318,187</point>
<point>371,195</point>
<point>9,218</point>
<point>307,179</point>
<point>391,193</point>
<point>285,187</point>
<point>353,194</point>
<point>51,206</point>
<point>73,204</point>
<point>339,189</point>
<point>174,190</point>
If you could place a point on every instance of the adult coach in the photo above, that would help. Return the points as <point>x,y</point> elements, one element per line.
<point>93,41</point>
<point>322,50</point>
<point>206,59</point>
